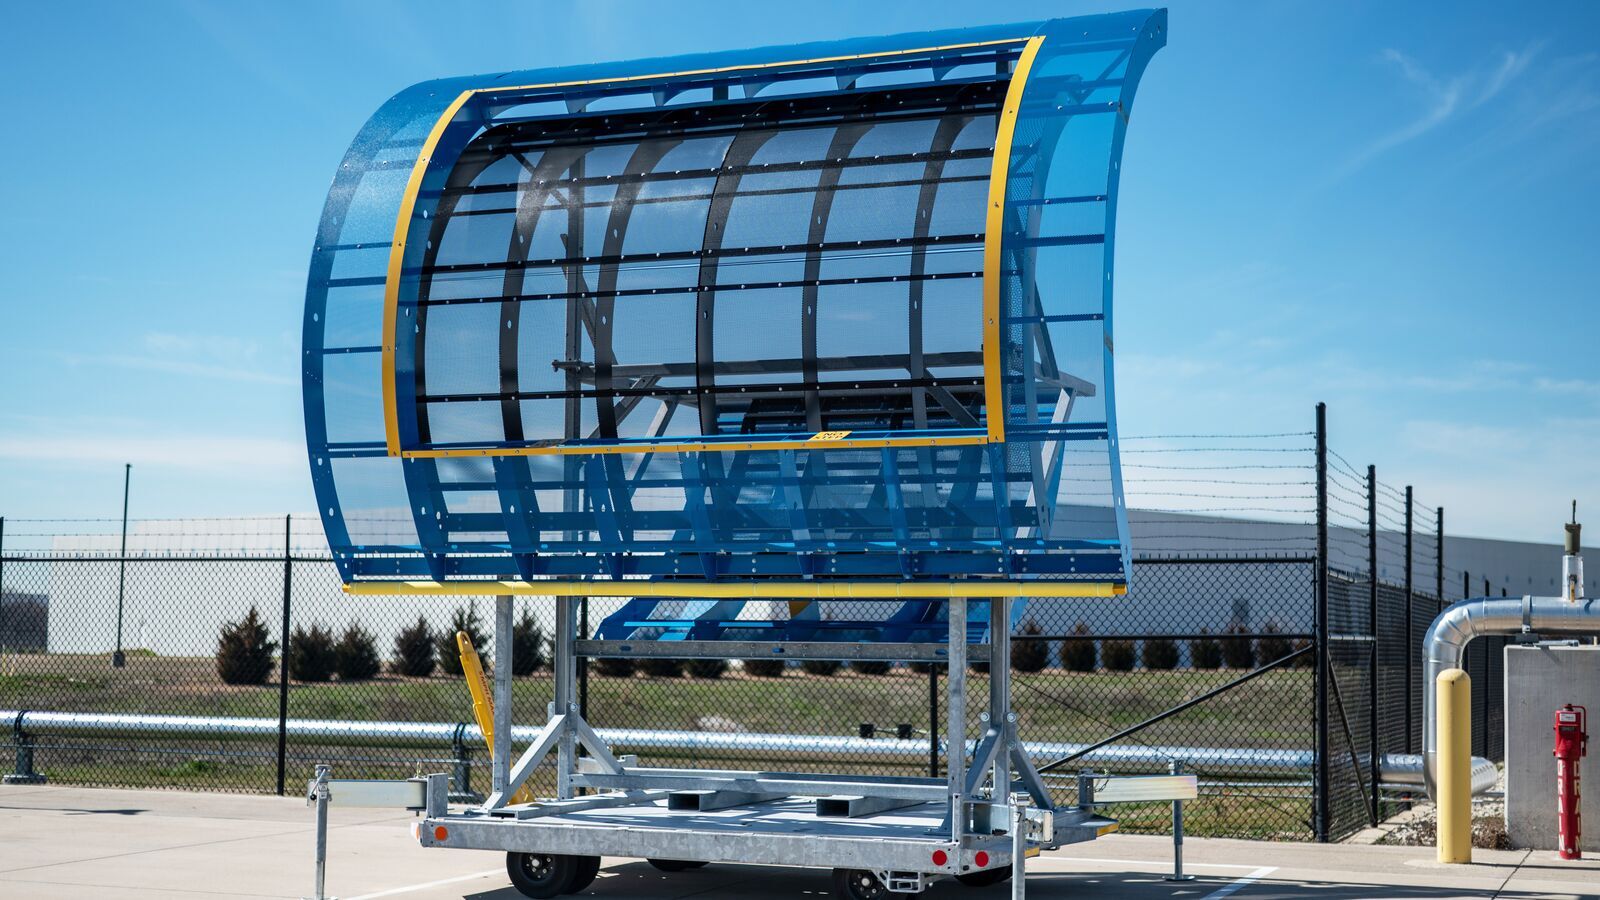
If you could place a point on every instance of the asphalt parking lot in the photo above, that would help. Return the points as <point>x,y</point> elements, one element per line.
<point>62,842</point>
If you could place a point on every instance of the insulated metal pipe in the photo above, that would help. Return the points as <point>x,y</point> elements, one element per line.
<point>1397,768</point>
<point>1445,645</point>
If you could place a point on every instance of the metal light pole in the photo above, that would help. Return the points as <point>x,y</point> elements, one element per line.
<point>118,660</point>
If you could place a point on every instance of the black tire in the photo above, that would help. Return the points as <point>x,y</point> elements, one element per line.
<point>588,867</point>
<point>985,877</point>
<point>859,884</point>
<point>541,875</point>
<point>676,865</point>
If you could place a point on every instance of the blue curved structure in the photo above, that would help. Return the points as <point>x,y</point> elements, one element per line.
<point>829,320</point>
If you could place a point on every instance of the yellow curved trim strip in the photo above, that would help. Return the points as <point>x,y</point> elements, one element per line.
<point>695,446</point>
<point>408,205</point>
<point>994,231</point>
<point>748,590</point>
<point>397,255</point>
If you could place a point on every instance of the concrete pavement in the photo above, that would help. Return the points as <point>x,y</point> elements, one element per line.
<point>62,842</point>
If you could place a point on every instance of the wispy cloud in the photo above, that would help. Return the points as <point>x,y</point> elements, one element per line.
<point>210,357</point>
<point>1444,98</point>
<point>196,452</point>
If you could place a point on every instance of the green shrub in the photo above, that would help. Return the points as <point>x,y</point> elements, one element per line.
<point>872,666</point>
<point>1238,652</point>
<point>661,667</point>
<point>1205,652</point>
<point>765,668</point>
<point>707,668</point>
<point>355,657</point>
<point>1030,655</point>
<point>1117,656</point>
<point>413,650</point>
<point>823,667</point>
<point>465,618</point>
<point>244,650</point>
<point>312,654</point>
<point>1306,660</point>
<point>1272,646</point>
<point>1159,653</point>
<point>1077,655</point>
<point>527,646</point>
<point>615,666</point>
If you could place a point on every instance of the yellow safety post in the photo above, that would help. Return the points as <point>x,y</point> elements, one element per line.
<point>1453,765</point>
<point>483,702</point>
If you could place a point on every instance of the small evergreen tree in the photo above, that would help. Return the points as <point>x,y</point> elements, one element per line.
<point>1238,652</point>
<point>1159,653</point>
<point>244,650</point>
<point>311,654</point>
<point>764,668</point>
<point>413,650</point>
<point>1272,645</point>
<point>356,655</point>
<point>1028,653</point>
<point>615,666</point>
<point>527,645</point>
<point>707,668</point>
<point>465,618</point>
<point>1117,656</point>
<point>1205,652</point>
<point>872,666</point>
<point>1305,660</point>
<point>821,667</point>
<point>661,667</point>
<point>1077,655</point>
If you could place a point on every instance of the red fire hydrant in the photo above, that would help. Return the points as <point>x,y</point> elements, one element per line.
<point>1572,742</point>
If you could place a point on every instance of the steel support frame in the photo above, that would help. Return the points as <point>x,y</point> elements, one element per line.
<point>986,780</point>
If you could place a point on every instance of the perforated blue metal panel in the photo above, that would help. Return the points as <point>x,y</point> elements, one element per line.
<point>740,315</point>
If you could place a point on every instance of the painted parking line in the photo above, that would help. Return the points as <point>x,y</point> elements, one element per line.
<point>1157,863</point>
<point>411,888</point>
<point>1240,884</point>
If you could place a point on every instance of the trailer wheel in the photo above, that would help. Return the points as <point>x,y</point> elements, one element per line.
<point>860,884</point>
<point>985,877</point>
<point>541,875</point>
<point>588,867</point>
<point>676,865</point>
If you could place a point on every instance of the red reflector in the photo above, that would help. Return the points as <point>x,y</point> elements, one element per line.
<point>940,857</point>
<point>981,858</point>
<point>440,832</point>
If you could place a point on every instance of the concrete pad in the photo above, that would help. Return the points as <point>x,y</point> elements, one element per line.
<point>71,842</point>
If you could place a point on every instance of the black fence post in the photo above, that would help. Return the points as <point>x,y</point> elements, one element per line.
<point>1408,743</point>
<point>933,720</point>
<point>1321,820</point>
<point>1438,565</point>
<point>583,661</point>
<point>283,654</point>
<point>1374,745</point>
<point>2,587</point>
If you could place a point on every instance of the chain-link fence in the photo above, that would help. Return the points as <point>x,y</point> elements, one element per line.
<point>1211,660</point>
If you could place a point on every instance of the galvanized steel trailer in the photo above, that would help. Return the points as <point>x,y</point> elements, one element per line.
<point>897,832</point>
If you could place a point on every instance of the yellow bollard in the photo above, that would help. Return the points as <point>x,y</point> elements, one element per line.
<point>483,702</point>
<point>1453,765</point>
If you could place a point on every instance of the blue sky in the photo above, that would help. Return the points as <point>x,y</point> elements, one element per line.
<point>1387,207</point>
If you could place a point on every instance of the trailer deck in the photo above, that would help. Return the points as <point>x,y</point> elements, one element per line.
<point>789,831</point>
